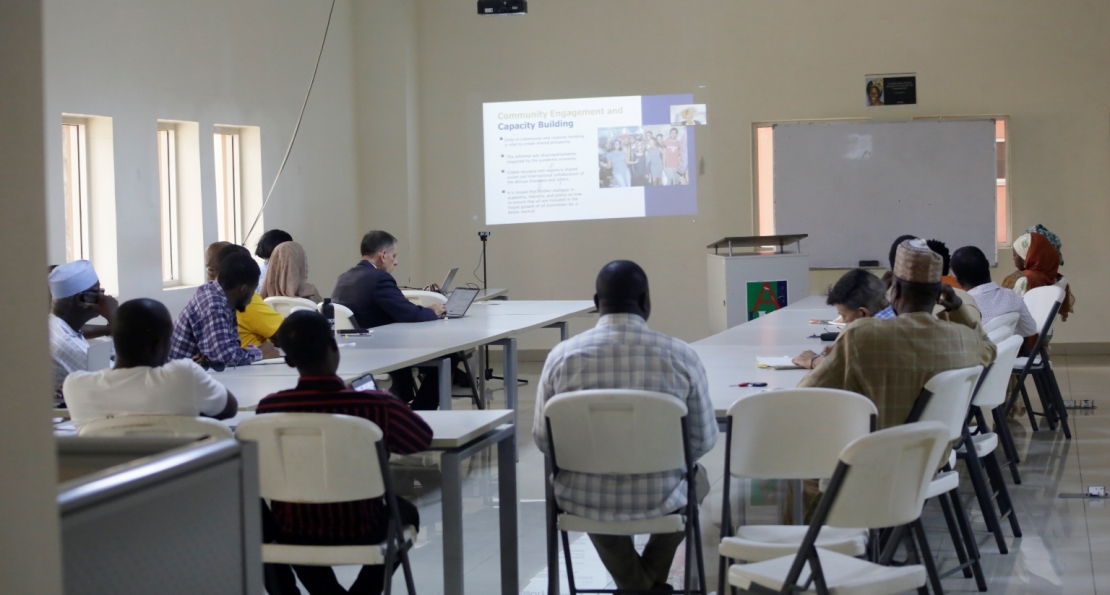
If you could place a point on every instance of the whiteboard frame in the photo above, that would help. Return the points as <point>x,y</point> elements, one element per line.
<point>754,162</point>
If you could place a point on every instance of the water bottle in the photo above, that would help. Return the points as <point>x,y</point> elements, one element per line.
<point>328,310</point>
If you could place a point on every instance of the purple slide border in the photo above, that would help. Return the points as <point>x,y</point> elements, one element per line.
<point>670,200</point>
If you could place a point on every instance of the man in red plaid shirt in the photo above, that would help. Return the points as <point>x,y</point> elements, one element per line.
<point>310,347</point>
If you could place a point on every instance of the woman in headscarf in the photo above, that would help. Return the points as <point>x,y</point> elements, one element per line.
<point>1038,265</point>
<point>288,274</point>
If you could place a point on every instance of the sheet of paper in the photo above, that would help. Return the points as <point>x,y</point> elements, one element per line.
<point>778,363</point>
<point>267,362</point>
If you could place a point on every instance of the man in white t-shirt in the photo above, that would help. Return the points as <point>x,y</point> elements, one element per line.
<point>143,382</point>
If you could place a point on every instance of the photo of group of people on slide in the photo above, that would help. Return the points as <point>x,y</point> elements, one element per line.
<point>642,156</point>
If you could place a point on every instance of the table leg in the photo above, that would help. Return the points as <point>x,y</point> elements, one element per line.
<point>564,331</point>
<point>481,353</point>
<point>506,485</point>
<point>452,508</point>
<point>445,371</point>
<point>511,386</point>
<point>552,531</point>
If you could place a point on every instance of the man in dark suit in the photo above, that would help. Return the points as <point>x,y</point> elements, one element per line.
<point>371,292</point>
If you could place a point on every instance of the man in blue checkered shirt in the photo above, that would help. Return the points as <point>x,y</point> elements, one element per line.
<point>621,352</point>
<point>207,331</point>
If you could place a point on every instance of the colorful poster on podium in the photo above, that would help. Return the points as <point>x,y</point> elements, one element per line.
<point>766,296</point>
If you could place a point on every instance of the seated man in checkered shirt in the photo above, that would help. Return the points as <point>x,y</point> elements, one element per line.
<point>621,352</point>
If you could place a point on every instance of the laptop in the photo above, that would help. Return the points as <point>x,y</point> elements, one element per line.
<point>445,287</point>
<point>364,383</point>
<point>460,301</point>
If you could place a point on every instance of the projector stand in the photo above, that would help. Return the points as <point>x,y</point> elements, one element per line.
<point>488,373</point>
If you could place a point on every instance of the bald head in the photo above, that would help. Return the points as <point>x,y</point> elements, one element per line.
<point>210,258</point>
<point>141,333</point>
<point>622,288</point>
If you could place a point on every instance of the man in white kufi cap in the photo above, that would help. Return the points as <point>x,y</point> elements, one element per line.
<point>889,361</point>
<point>76,299</point>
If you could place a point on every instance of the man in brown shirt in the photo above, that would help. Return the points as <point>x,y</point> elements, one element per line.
<point>889,361</point>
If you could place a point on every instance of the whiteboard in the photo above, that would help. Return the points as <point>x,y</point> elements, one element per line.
<point>856,186</point>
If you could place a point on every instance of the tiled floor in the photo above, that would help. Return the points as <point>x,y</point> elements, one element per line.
<point>1065,548</point>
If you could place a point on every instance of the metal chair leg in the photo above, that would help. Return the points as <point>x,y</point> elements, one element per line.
<point>1028,407</point>
<point>968,538</point>
<point>927,557</point>
<point>983,494</point>
<point>1002,428</point>
<point>957,539</point>
<point>1005,504</point>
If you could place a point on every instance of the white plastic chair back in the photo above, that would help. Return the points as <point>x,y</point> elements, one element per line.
<point>951,399</point>
<point>616,431</point>
<point>163,426</point>
<point>344,318</point>
<point>889,476</point>
<point>315,457</point>
<point>995,387</point>
<point>999,335</point>
<point>1040,302</point>
<point>284,305</point>
<point>424,298</point>
<point>301,309</point>
<point>1008,321</point>
<point>819,421</point>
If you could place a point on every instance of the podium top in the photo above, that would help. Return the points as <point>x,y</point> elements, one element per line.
<point>758,241</point>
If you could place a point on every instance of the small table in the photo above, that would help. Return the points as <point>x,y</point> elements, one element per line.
<point>460,435</point>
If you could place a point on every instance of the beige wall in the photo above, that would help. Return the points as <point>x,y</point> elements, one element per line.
<point>1043,63</point>
<point>30,558</point>
<point>215,62</point>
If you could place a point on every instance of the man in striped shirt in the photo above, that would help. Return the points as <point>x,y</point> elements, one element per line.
<point>621,352</point>
<point>310,347</point>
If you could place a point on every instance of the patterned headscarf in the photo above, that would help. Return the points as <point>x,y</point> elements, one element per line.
<point>1042,262</point>
<point>1021,245</point>
<point>1052,239</point>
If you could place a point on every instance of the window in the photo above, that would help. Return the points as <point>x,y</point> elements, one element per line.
<point>229,200</point>
<point>76,183</point>
<point>1002,204</point>
<point>765,180</point>
<point>167,198</point>
<point>88,198</point>
<point>179,196</point>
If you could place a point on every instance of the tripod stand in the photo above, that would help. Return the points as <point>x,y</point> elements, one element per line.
<point>488,372</point>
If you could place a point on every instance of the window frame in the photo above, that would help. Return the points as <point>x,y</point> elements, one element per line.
<point>168,204</point>
<point>74,139</point>
<point>227,145</point>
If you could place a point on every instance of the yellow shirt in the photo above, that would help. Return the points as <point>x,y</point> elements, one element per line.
<point>258,323</point>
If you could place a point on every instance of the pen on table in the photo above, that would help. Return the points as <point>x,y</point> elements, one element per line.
<point>751,384</point>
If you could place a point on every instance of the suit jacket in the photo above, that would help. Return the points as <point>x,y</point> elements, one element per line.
<point>374,298</point>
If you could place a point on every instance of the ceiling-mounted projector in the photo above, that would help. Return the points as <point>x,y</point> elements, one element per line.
<point>500,7</point>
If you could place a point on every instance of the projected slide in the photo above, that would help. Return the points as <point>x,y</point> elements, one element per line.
<point>600,158</point>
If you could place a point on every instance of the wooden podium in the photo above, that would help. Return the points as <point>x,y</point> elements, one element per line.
<point>750,276</point>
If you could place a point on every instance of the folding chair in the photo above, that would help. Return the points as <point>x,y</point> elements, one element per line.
<point>625,432</point>
<point>820,423</point>
<point>1043,304</point>
<point>880,482</point>
<point>284,305</point>
<point>319,458</point>
<point>946,399</point>
<point>977,450</point>
<point>1008,320</point>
